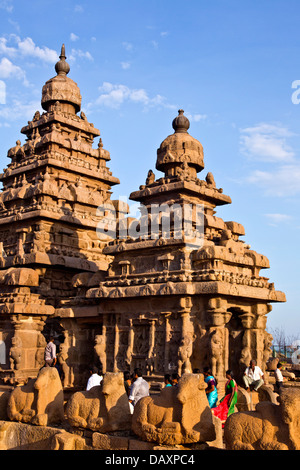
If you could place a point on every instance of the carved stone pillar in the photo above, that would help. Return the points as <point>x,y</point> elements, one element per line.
<point>116,345</point>
<point>129,351</point>
<point>218,337</point>
<point>185,349</point>
<point>167,341</point>
<point>151,362</point>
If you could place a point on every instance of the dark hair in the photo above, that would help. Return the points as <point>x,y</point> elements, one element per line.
<point>94,369</point>
<point>279,365</point>
<point>229,372</point>
<point>126,375</point>
<point>175,376</point>
<point>196,371</point>
<point>207,370</point>
<point>168,378</point>
<point>138,372</point>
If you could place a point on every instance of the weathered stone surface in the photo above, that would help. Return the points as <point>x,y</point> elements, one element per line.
<point>106,442</point>
<point>20,436</point>
<point>269,427</point>
<point>179,415</point>
<point>103,408</point>
<point>40,401</point>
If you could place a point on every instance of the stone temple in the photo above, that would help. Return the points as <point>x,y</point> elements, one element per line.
<point>162,301</point>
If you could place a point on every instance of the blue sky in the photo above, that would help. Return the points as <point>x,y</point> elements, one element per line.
<point>229,64</point>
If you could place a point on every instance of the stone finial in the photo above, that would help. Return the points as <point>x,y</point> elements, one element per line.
<point>181,122</point>
<point>62,67</point>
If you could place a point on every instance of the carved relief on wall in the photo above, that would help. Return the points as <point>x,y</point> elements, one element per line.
<point>216,349</point>
<point>15,353</point>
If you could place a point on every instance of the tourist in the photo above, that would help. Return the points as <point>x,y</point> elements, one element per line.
<point>175,379</point>
<point>127,381</point>
<point>95,378</point>
<point>211,391</point>
<point>168,381</point>
<point>50,353</point>
<point>139,388</point>
<point>253,376</point>
<point>227,403</point>
<point>278,376</point>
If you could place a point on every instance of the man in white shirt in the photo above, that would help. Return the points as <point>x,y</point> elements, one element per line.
<point>50,353</point>
<point>253,376</point>
<point>278,376</point>
<point>95,378</point>
<point>139,388</point>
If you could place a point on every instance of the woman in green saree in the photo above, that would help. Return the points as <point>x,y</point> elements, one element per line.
<point>227,403</point>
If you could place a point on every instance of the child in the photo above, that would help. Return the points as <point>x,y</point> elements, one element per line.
<point>278,375</point>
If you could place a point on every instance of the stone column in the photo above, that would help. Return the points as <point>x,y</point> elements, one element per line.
<point>151,357</point>
<point>185,349</point>
<point>218,337</point>
<point>167,342</point>
<point>116,345</point>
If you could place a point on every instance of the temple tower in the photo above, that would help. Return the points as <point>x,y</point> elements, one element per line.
<point>172,301</point>
<point>48,206</point>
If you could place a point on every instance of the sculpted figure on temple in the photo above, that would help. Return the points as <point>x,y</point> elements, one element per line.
<point>100,349</point>
<point>185,352</point>
<point>103,408</point>
<point>40,351</point>
<point>210,179</point>
<point>40,401</point>
<point>177,415</point>
<point>216,351</point>
<point>150,178</point>
<point>62,357</point>
<point>269,427</point>
<point>15,353</point>
<point>268,339</point>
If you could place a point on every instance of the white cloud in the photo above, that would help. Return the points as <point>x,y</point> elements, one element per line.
<point>195,117</point>
<point>113,96</point>
<point>28,48</point>
<point>9,70</point>
<point>277,219</point>
<point>18,109</point>
<point>6,5</point>
<point>125,65</point>
<point>5,49</point>
<point>284,181</point>
<point>78,9</point>
<point>127,45</point>
<point>78,53</point>
<point>73,37</point>
<point>266,142</point>
<point>17,47</point>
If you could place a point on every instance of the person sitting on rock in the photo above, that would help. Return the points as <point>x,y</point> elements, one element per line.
<point>253,377</point>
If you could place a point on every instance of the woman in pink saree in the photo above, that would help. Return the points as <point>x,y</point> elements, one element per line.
<point>227,403</point>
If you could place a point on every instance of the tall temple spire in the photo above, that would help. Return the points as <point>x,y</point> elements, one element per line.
<point>62,67</point>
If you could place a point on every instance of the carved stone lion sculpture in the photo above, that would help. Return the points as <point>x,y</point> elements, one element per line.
<point>178,415</point>
<point>103,408</point>
<point>40,401</point>
<point>269,427</point>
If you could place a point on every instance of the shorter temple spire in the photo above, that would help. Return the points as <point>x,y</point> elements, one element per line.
<point>62,67</point>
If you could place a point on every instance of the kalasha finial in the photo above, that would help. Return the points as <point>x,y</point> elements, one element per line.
<point>62,67</point>
<point>181,122</point>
